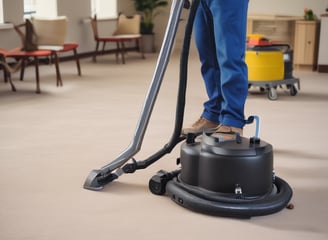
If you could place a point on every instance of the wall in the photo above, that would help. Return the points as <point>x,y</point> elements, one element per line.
<point>287,7</point>
<point>79,30</point>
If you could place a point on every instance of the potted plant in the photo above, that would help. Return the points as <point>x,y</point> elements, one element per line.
<point>308,14</point>
<point>148,9</point>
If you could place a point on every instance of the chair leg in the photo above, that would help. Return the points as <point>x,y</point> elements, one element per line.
<point>58,75</point>
<point>37,77</point>
<point>8,70</point>
<point>2,64</point>
<point>103,48</point>
<point>96,52</point>
<point>139,46</point>
<point>22,69</point>
<point>13,88</point>
<point>123,52</point>
<point>77,62</point>
<point>7,77</point>
<point>118,49</point>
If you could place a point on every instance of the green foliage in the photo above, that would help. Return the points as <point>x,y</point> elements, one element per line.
<point>308,14</point>
<point>148,9</point>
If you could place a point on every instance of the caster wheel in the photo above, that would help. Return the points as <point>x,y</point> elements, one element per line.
<point>272,94</point>
<point>293,90</point>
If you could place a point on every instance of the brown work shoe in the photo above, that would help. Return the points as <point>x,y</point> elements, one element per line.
<point>227,132</point>
<point>200,125</point>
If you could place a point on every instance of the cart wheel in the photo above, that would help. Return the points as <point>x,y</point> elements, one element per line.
<point>272,94</point>
<point>293,90</point>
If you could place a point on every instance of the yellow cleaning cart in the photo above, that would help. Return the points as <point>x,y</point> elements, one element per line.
<point>270,65</point>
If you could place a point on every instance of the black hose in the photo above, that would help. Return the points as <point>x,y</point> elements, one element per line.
<point>180,106</point>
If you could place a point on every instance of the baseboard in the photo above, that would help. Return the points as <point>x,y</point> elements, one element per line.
<point>305,67</point>
<point>90,54</point>
<point>323,68</point>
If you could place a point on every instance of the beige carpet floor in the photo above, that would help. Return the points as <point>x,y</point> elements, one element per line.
<point>50,142</point>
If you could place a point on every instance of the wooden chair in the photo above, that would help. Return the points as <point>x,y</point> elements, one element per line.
<point>24,55</point>
<point>51,35</point>
<point>128,30</point>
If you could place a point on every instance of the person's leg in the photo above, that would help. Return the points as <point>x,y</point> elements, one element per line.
<point>205,43</point>
<point>204,39</point>
<point>230,19</point>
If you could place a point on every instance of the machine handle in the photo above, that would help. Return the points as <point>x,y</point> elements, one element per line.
<point>257,126</point>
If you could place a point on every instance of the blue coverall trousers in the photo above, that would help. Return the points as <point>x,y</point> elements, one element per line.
<point>220,37</point>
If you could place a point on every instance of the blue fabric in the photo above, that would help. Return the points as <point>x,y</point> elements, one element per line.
<point>220,36</point>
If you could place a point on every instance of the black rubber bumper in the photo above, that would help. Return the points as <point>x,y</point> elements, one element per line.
<point>230,205</point>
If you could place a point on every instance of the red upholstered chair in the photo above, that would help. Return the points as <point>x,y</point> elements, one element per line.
<point>51,35</point>
<point>128,30</point>
<point>18,53</point>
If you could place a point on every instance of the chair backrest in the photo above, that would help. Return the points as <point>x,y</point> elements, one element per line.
<point>94,26</point>
<point>128,24</point>
<point>50,31</point>
<point>27,35</point>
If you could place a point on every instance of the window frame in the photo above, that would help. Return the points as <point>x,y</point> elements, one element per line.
<point>98,6</point>
<point>40,8</point>
<point>1,12</point>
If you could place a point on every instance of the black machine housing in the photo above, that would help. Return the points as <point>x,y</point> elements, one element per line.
<point>232,178</point>
<point>246,165</point>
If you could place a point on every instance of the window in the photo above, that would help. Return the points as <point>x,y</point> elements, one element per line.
<point>29,7</point>
<point>1,12</point>
<point>40,8</point>
<point>104,8</point>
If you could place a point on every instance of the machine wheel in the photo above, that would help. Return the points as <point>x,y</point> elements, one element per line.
<point>293,90</point>
<point>272,94</point>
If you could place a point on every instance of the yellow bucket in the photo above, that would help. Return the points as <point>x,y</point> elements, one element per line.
<point>265,65</point>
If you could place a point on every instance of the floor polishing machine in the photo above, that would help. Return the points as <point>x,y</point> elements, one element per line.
<point>233,178</point>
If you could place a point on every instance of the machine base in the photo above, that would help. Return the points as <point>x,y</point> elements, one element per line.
<point>229,205</point>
